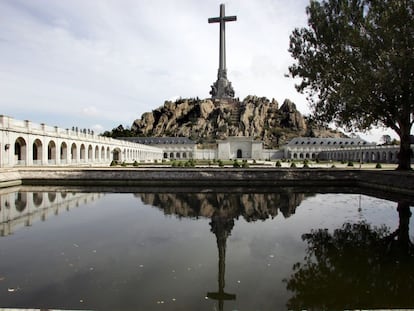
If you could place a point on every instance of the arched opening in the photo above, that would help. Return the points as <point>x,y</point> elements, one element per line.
<point>108,153</point>
<point>20,201</point>
<point>117,154</point>
<point>177,155</point>
<point>51,152</point>
<point>37,152</point>
<point>96,153</point>
<point>63,152</point>
<point>171,155</point>
<point>20,151</point>
<point>102,153</point>
<point>73,151</point>
<point>184,155</point>
<point>82,153</point>
<point>239,154</point>
<point>37,198</point>
<point>165,155</point>
<point>51,196</point>
<point>90,152</point>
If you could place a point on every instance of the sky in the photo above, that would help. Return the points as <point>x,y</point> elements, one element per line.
<point>97,64</point>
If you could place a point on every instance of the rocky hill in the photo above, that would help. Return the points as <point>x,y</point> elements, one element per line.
<point>208,120</point>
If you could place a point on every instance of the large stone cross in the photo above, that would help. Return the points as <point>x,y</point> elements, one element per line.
<point>222,87</point>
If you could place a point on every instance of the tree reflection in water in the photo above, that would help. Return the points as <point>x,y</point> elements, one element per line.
<point>358,266</point>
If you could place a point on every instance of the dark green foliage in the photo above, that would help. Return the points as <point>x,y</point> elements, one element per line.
<point>135,163</point>
<point>378,165</point>
<point>245,164</point>
<point>293,165</point>
<point>356,62</point>
<point>119,131</point>
<point>350,163</point>
<point>114,163</point>
<point>236,164</point>
<point>220,163</point>
<point>278,164</point>
<point>357,266</point>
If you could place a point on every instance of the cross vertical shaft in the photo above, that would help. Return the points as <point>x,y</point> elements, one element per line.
<point>222,87</point>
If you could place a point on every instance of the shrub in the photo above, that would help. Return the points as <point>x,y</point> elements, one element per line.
<point>333,166</point>
<point>220,163</point>
<point>378,165</point>
<point>293,165</point>
<point>174,164</point>
<point>317,160</point>
<point>135,163</point>
<point>236,164</point>
<point>123,164</point>
<point>245,164</point>
<point>306,165</point>
<point>113,163</point>
<point>180,164</point>
<point>278,164</point>
<point>350,163</point>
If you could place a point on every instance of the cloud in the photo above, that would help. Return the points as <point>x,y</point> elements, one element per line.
<point>107,62</point>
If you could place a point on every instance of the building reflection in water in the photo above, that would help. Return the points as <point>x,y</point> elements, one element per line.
<point>19,208</point>
<point>223,209</point>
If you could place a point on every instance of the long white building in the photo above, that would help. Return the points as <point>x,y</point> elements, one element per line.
<point>23,143</point>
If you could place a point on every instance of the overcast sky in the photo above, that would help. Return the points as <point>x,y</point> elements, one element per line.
<point>100,63</point>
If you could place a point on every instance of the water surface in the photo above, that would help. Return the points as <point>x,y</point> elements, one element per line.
<point>204,251</point>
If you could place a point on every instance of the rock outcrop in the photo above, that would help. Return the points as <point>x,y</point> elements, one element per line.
<point>206,120</point>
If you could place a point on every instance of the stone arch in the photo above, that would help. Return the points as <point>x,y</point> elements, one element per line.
<point>37,152</point>
<point>51,152</point>
<point>102,153</point>
<point>63,152</point>
<point>73,151</point>
<point>96,153</point>
<point>51,196</point>
<point>177,155</point>
<point>165,155</point>
<point>20,201</point>
<point>37,198</point>
<point>184,155</point>
<point>239,154</point>
<point>171,155</point>
<point>20,151</point>
<point>117,154</point>
<point>82,153</point>
<point>90,152</point>
<point>108,153</point>
<point>384,156</point>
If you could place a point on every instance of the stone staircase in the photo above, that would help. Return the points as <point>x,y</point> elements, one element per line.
<point>235,115</point>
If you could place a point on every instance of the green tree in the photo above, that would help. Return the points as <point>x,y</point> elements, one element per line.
<point>356,61</point>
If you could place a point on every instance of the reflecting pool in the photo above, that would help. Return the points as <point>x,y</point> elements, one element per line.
<point>222,249</point>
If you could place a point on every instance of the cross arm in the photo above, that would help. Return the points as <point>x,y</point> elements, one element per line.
<point>224,19</point>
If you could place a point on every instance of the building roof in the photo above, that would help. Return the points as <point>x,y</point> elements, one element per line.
<point>331,142</point>
<point>160,140</point>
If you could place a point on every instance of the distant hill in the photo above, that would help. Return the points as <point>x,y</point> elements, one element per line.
<point>207,120</point>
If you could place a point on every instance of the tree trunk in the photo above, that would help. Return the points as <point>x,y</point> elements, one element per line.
<point>405,154</point>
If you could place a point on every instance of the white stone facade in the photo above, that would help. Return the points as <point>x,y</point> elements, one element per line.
<point>239,148</point>
<point>23,143</point>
